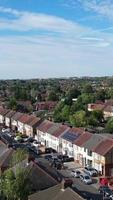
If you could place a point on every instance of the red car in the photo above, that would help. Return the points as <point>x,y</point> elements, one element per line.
<point>68,182</point>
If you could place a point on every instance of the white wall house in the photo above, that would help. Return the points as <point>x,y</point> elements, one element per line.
<point>67,147</point>
<point>7,121</point>
<point>21,127</point>
<point>41,137</point>
<point>14,120</point>
<point>1,119</point>
<point>80,155</point>
<point>8,118</point>
<point>3,112</point>
<point>28,130</point>
<point>98,161</point>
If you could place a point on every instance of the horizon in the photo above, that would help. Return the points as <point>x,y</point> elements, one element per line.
<point>70,77</point>
<point>53,39</point>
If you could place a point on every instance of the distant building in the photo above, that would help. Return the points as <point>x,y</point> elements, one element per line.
<point>45,105</point>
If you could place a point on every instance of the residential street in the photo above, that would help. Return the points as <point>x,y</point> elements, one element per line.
<point>87,191</point>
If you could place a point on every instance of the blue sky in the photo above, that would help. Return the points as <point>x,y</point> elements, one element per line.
<point>56,38</point>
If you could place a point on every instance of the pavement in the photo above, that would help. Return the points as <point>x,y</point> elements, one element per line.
<point>89,192</point>
<point>74,165</point>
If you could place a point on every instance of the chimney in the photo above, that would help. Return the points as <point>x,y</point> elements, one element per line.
<point>63,185</point>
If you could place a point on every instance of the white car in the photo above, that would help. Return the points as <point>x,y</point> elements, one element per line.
<point>3,130</point>
<point>91,171</point>
<point>36,144</point>
<point>75,173</point>
<point>86,178</point>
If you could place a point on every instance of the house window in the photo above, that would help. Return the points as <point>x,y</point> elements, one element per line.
<point>89,153</point>
<point>70,145</point>
<point>89,163</point>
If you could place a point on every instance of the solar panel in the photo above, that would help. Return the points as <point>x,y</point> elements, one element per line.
<point>70,136</point>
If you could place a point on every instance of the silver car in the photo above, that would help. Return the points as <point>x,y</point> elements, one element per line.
<point>86,178</point>
<point>75,173</point>
<point>91,171</point>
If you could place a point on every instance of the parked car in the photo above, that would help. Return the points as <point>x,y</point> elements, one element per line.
<point>68,182</point>
<point>106,191</point>
<point>65,158</point>
<point>111,197</point>
<point>3,130</point>
<point>36,143</point>
<point>91,171</point>
<point>62,157</point>
<point>85,178</point>
<point>50,150</point>
<point>30,139</point>
<point>75,173</point>
<point>58,165</point>
<point>48,157</point>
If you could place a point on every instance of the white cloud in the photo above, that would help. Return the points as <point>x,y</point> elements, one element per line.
<point>25,21</point>
<point>102,7</point>
<point>26,57</point>
<point>78,50</point>
<point>9,11</point>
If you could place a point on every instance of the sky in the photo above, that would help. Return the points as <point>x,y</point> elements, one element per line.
<point>56,38</point>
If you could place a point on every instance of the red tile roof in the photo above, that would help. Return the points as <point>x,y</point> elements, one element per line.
<point>60,130</point>
<point>10,114</point>
<point>33,121</point>
<point>17,115</point>
<point>45,125</point>
<point>24,118</point>
<point>3,111</point>
<point>97,106</point>
<point>103,147</point>
<point>83,138</point>
<point>77,130</point>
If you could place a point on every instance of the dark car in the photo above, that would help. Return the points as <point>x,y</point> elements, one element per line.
<point>105,191</point>
<point>63,157</point>
<point>30,139</point>
<point>48,157</point>
<point>50,150</point>
<point>68,182</point>
<point>68,159</point>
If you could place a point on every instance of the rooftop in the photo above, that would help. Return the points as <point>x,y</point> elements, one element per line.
<point>56,193</point>
<point>94,140</point>
<point>104,146</point>
<point>45,125</point>
<point>72,134</point>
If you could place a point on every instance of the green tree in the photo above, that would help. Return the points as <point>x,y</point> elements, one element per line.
<point>72,93</point>
<point>78,119</point>
<point>65,113</point>
<point>52,96</point>
<point>57,112</point>
<point>98,115</point>
<point>101,95</point>
<point>87,88</point>
<point>109,125</point>
<point>15,184</point>
<point>12,103</point>
<point>7,185</point>
<point>92,121</point>
<point>18,156</point>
